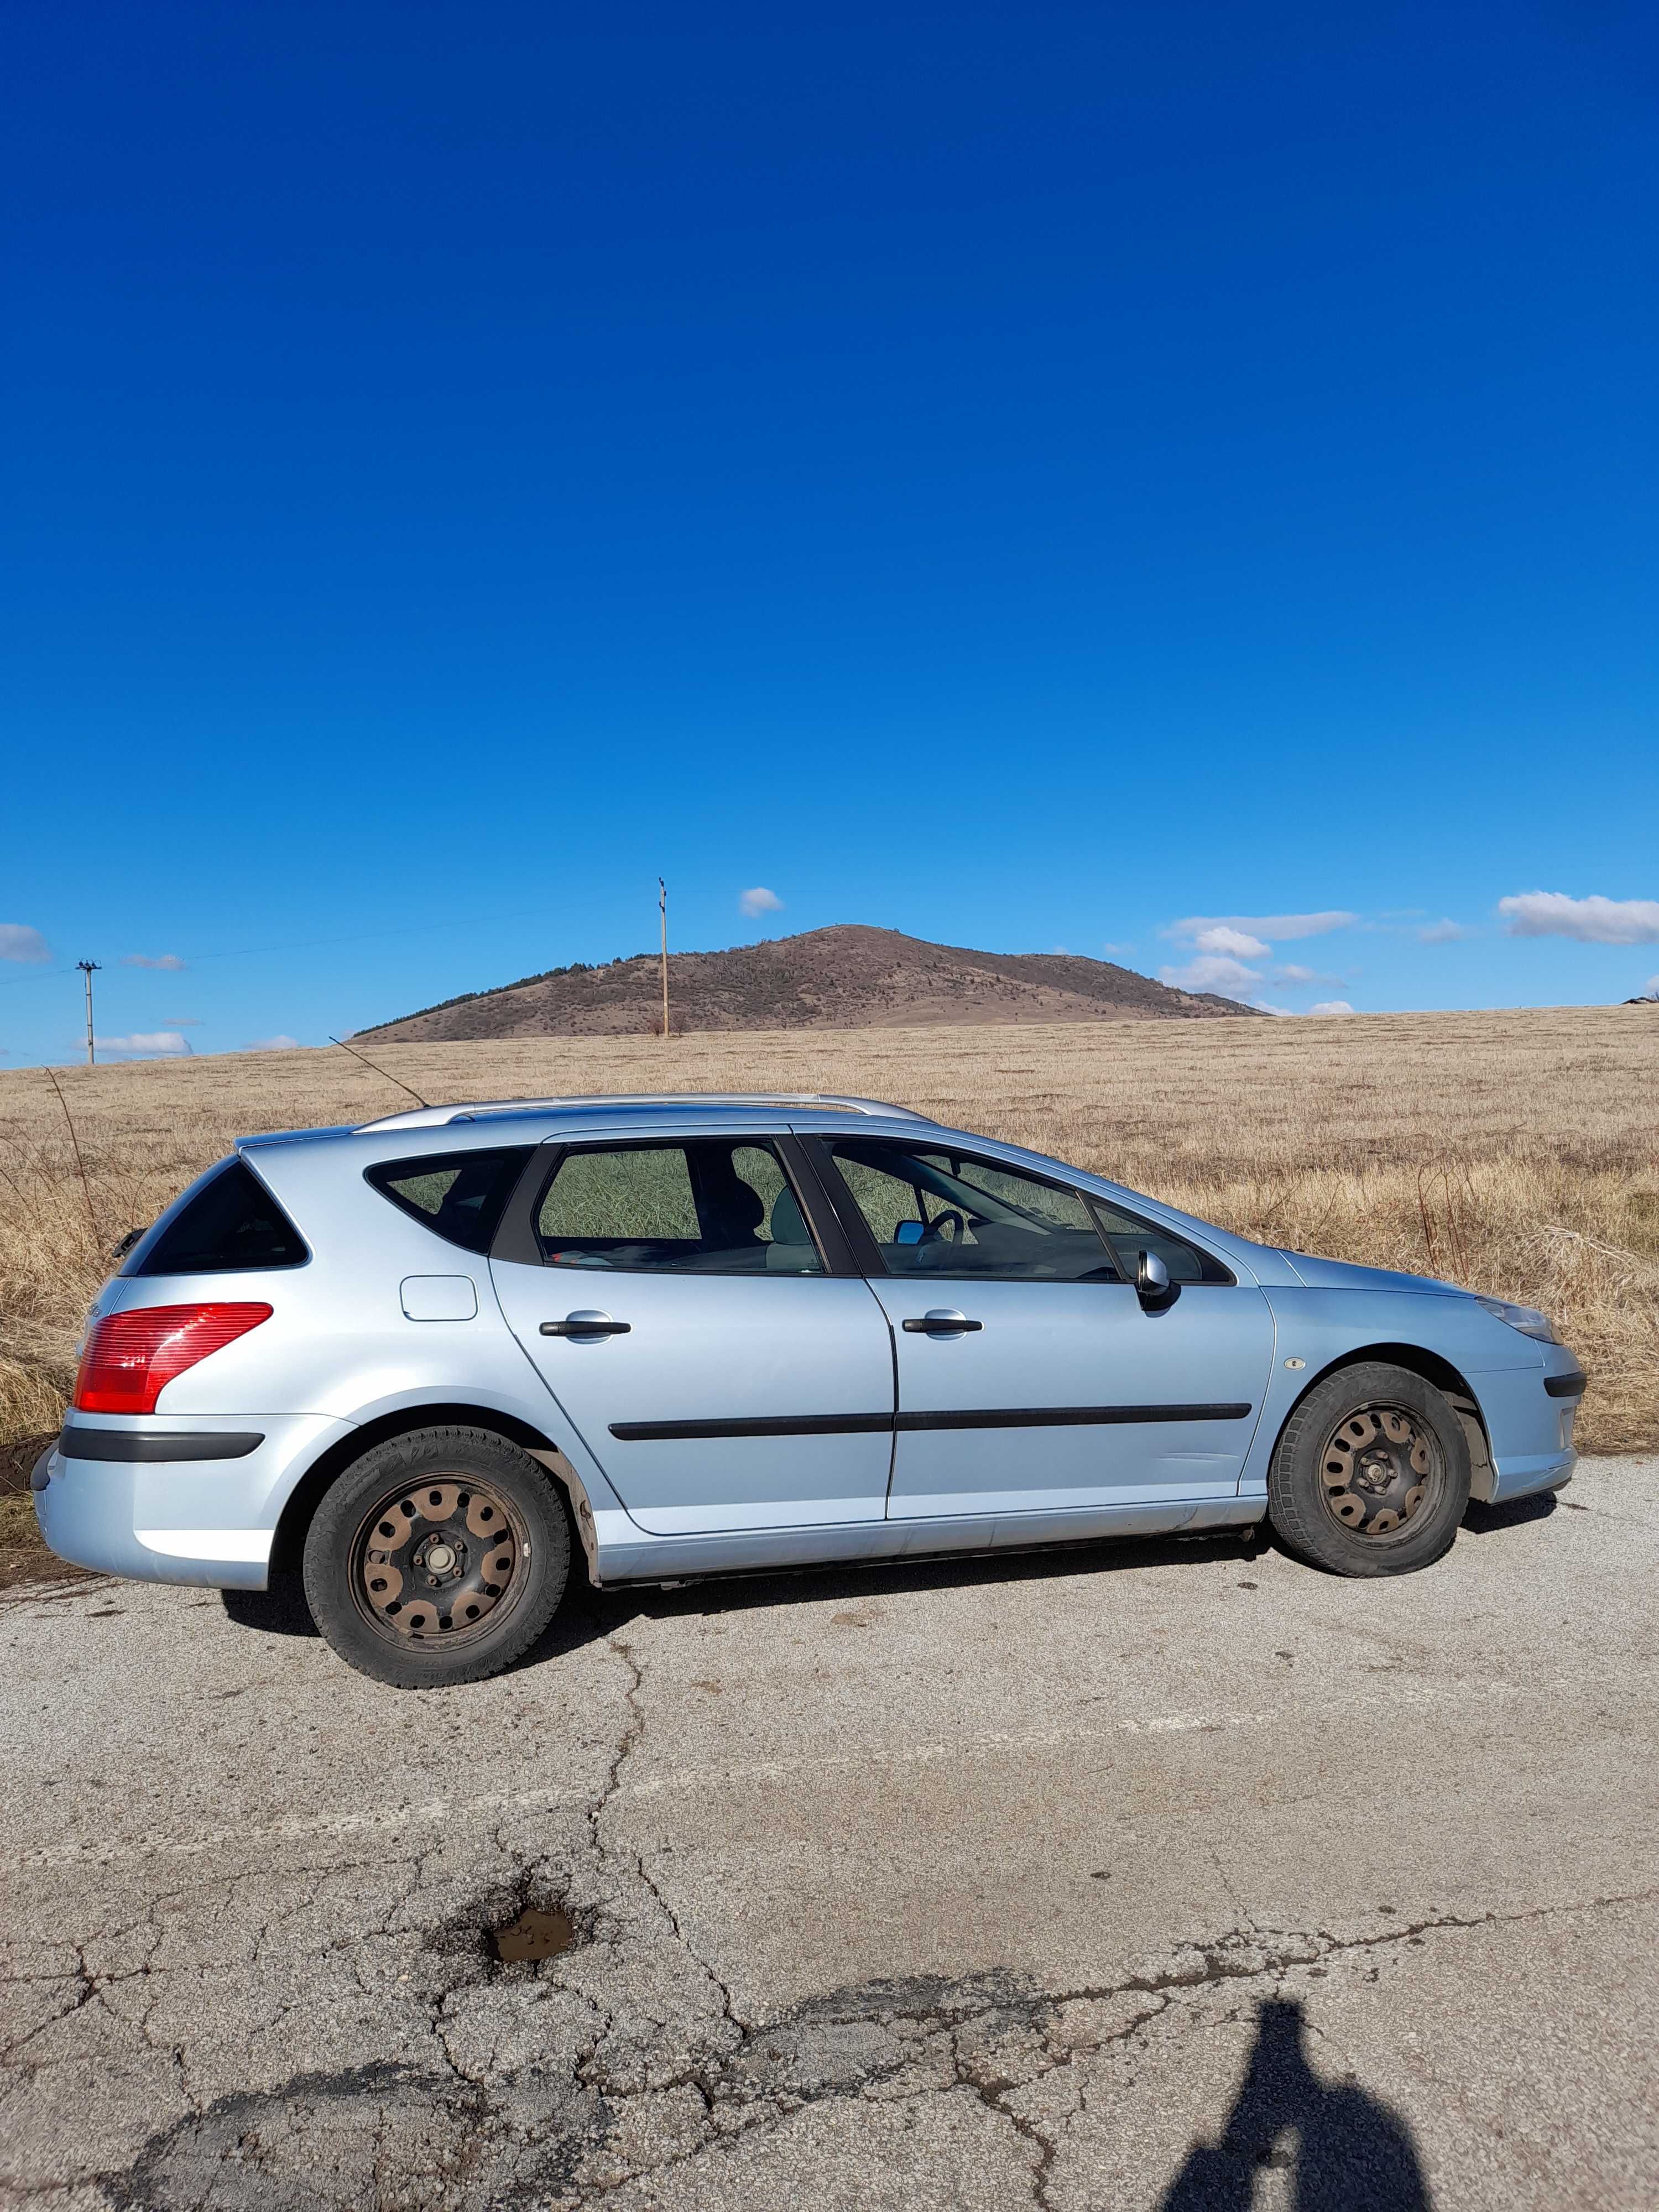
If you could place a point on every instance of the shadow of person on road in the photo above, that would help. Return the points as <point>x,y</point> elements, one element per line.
<point>1351,2153</point>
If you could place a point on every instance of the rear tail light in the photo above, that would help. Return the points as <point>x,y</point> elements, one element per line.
<point>130,1357</point>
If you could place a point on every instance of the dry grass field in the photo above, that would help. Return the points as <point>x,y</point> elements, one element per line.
<point>1517,1152</point>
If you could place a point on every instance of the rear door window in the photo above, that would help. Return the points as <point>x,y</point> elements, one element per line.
<point>712,1206</point>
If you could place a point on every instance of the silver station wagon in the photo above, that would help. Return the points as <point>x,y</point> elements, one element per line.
<point>430,1361</point>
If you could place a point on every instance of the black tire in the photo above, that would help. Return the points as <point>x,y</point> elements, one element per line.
<point>437,1558</point>
<point>1371,1474</point>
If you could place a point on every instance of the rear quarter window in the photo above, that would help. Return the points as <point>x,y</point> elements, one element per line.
<point>231,1226</point>
<point>459,1196</point>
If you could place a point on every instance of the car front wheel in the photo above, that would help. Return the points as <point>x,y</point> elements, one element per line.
<point>1371,1474</point>
<point>437,1558</point>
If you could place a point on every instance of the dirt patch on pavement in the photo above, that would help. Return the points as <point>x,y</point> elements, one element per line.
<point>23,1557</point>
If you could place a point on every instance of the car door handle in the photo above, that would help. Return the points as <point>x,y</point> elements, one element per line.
<point>937,1321</point>
<point>586,1324</point>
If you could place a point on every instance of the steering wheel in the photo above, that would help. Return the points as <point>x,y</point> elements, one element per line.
<point>935,1232</point>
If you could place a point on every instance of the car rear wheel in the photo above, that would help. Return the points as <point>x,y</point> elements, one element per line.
<point>1371,1474</point>
<point>437,1558</point>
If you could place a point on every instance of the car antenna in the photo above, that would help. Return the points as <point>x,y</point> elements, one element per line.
<point>390,1078</point>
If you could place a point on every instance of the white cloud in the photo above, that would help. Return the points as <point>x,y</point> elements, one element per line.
<point>170,961</point>
<point>1443,933</point>
<point>19,942</point>
<point>145,1044</point>
<point>1110,947</point>
<point>1222,937</point>
<point>1299,978</point>
<point>1266,1006</point>
<point>281,1043</point>
<point>1331,1006</point>
<point>760,901</point>
<point>1275,928</point>
<point>1591,921</point>
<point>1211,971</point>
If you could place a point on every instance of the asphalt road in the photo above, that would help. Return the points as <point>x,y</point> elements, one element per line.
<point>1166,1876</point>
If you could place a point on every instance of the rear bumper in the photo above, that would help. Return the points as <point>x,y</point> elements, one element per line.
<point>206,1521</point>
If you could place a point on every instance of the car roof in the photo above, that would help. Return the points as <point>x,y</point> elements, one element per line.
<point>475,1123</point>
<point>645,1109</point>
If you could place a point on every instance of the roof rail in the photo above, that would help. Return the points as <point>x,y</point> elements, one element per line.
<point>437,1118</point>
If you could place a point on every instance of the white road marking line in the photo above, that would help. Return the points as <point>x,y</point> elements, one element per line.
<point>987,1745</point>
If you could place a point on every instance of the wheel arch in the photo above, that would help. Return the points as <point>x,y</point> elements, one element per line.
<point>1453,1385</point>
<point>287,1543</point>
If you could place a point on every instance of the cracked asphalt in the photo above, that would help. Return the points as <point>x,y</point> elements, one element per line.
<point>1155,1875</point>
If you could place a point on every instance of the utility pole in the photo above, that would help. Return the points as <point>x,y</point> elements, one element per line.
<point>662,907</point>
<point>90,969</point>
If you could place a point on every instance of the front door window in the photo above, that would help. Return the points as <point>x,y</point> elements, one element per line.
<point>937,1213</point>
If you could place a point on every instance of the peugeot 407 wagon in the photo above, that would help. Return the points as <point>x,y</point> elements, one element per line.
<point>430,1360</point>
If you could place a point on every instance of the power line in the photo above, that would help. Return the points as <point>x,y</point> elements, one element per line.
<point>363,936</point>
<point>300,945</point>
<point>40,975</point>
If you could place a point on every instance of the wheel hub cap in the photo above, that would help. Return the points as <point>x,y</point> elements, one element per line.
<point>1375,1468</point>
<point>436,1558</point>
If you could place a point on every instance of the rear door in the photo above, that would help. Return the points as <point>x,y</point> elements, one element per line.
<point>1031,1378</point>
<point>685,1316</point>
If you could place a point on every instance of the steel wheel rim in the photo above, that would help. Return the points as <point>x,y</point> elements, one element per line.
<point>439,1561</point>
<point>1380,1469</point>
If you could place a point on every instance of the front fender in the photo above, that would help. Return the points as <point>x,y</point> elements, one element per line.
<point>1319,1329</point>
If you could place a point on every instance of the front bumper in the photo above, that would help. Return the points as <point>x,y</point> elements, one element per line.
<point>1531,1419</point>
<point>1519,1475</point>
<point>206,1521</point>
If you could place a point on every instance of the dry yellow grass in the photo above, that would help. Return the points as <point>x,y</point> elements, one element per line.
<point>1514,1153</point>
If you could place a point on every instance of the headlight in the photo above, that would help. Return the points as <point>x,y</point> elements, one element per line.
<point>1526,1319</point>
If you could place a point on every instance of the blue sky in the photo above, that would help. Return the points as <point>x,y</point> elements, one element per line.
<point>1144,478</point>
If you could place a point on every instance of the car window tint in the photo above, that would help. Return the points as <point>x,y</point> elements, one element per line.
<point>233,1223</point>
<point>1130,1236</point>
<point>640,1195</point>
<point>459,1196</point>
<point>712,1206</point>
<point>934,1212</point>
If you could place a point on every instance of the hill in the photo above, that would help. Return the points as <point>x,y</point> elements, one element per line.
<point>849,976</point>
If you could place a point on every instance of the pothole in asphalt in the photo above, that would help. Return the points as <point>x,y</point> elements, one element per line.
<point>539,1932</point>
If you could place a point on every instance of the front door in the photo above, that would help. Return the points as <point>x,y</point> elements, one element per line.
<point>683,1319</point>
<point>1031,1378</point>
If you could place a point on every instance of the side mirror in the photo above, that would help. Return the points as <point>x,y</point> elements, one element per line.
<point>1151,1280</point>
